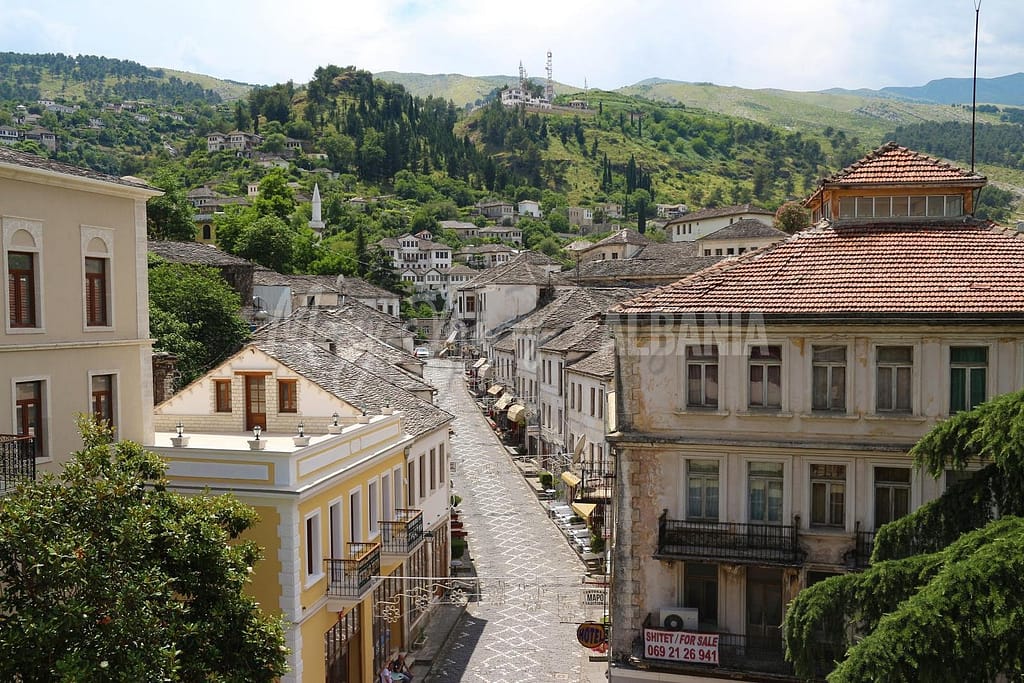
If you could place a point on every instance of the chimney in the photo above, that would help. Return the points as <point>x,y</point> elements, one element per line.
<point>165,375</point>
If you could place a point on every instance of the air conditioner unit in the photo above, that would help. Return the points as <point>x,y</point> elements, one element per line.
<point>678,618</point>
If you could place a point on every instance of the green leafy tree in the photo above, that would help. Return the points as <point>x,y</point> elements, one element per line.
<point>230,224</point>
<point>268,241</point>
<point>169,216</point>
<point>792,217</point>
<point>380,271</point>
<point>275,198</point>
<point>944,598</point>
<point>204,304</point>
<point>109,576</point>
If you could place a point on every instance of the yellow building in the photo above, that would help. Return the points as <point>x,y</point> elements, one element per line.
<point>349,474</point>
<point>75,335</point>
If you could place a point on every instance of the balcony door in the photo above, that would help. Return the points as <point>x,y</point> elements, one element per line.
<point>764,607</point>
<point>255,401</point>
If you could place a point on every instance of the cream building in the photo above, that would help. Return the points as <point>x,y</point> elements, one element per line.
<point>767,404</point>
<point>697,224</point>
<point>349,474</point>
<point>75,337</point>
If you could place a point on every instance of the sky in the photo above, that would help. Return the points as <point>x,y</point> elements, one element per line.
<point>606,44</point>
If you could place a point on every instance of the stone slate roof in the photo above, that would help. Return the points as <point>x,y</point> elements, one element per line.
<point>197,253</point>
<point>656,260</point>
<point>572,305</point>
<point>506,343</point>
<point>913,270</point>
<point>721,211</point>
<point>525,269</point>
<point>586,336</point>
<point>600,364</point>
<point>347,286</point>
<point>352,383</point>
<point>462,269</point>
<point>746,228</point>
<point>486,249</point>
<point>367,333</point>
<point>624,236</point>
<point>15,158</point>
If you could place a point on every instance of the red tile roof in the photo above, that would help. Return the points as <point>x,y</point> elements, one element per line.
<point>931,269</point>
<point>891,163</point>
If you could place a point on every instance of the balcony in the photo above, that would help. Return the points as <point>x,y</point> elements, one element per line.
<point>402,535</point>
<point>859,556</point>
<point>772,544</point>
<point>660,649</point>
<point>17,461</point>
<point>351,579</point>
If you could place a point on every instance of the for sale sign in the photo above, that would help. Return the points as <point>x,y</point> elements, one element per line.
<point>681,646</point>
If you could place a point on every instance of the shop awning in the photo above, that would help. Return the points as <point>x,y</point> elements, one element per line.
<point>484,369</point>
<point>517,413</point>
<point>495,390</point>
<point>479,362</point>
<point>570,479</point>
<point>584,510</point>
<point>503,402</point>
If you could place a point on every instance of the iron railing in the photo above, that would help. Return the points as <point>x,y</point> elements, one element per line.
<point>401,535</point>
<point>864,544</point>
<point>730,541</point>
<point>17,461</point>
<point>351,577</point>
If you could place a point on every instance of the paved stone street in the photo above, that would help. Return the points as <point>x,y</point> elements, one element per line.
<point>522,626</point>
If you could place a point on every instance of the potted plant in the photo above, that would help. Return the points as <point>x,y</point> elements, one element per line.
<point>546,479</point>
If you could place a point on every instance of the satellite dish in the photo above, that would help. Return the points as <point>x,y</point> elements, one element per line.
<point>577,453</point>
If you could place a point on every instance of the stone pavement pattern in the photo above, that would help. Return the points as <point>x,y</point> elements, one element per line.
<point>523,626</point>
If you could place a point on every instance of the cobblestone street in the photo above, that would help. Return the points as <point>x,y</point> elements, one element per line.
<point>522,626</point>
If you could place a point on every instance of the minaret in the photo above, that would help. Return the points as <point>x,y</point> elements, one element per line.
<point>316,224</point>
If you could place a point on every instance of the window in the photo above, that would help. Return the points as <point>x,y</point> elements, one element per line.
<point>96,292</point>
<point>355,516</point>
<point>21,288</point>
<point>600,402</point>
<point>207,231</point>
<point>764,488</point>
<point>572,395</point>
<point>28,404</point>
<point>702,489</point>
<point>441,471</point>
<point>286,396</point>
<point>103,398</point>
<point>222,394</point>
<point>828,378</point>
<point>410,477</point>
<point>314,556</point>
<point>335,530</point>
<point>892,378</point>
<point>559,420</point>
<point>765,368</point>
<point>373,503</point>
<point>954,477</point>
<point>892,494</point>
<point>967,377</point>
<point>433,469</point>
<point>593,401</point>
<point>828,495</point>
<point>702,376</point>
<point>700,591</point>
<point>423,478</point>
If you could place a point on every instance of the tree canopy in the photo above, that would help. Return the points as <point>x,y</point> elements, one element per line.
<point>196,315</point>
<point>944,597</point>
<point>109,576</point>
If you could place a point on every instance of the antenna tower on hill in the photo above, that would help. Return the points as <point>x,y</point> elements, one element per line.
<point>549,88</point>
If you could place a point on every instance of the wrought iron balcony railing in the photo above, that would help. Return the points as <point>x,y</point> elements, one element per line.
<point>729,541</point>
<point>17,461</point>
<point>351,577</point>
<point>401,535</point>
<point>864,544</point>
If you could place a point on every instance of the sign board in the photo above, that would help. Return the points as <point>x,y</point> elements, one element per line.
<point>591,634</point>
<point>681,646</point>
<point>593,597</point>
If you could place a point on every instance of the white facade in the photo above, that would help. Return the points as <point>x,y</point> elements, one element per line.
<point>692,226</point>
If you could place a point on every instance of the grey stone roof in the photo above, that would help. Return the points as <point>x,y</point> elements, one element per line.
<point>721,211</point>
<point>528,268</point>
<point>624,236</point>
<point>573,305</point>
<point>353,384</point>
<point>462,269</point>
<point>198,253</point>
<point>658,260</point>
<point>344,325</point>
<point>600,364</point>
<point>586,336</point>
<point>505,343</point>
<point>347,286</point>
<point>15,158</point>
<point>486,249</point>
<point>746,228</point>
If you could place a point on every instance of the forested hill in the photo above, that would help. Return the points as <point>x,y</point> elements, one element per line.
<point>58,76</point>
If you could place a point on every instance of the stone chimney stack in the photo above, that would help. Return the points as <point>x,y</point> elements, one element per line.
<point>165,375</point>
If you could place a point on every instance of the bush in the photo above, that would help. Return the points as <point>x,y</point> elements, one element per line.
<point>458,547</point>
<point>545,479</point>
